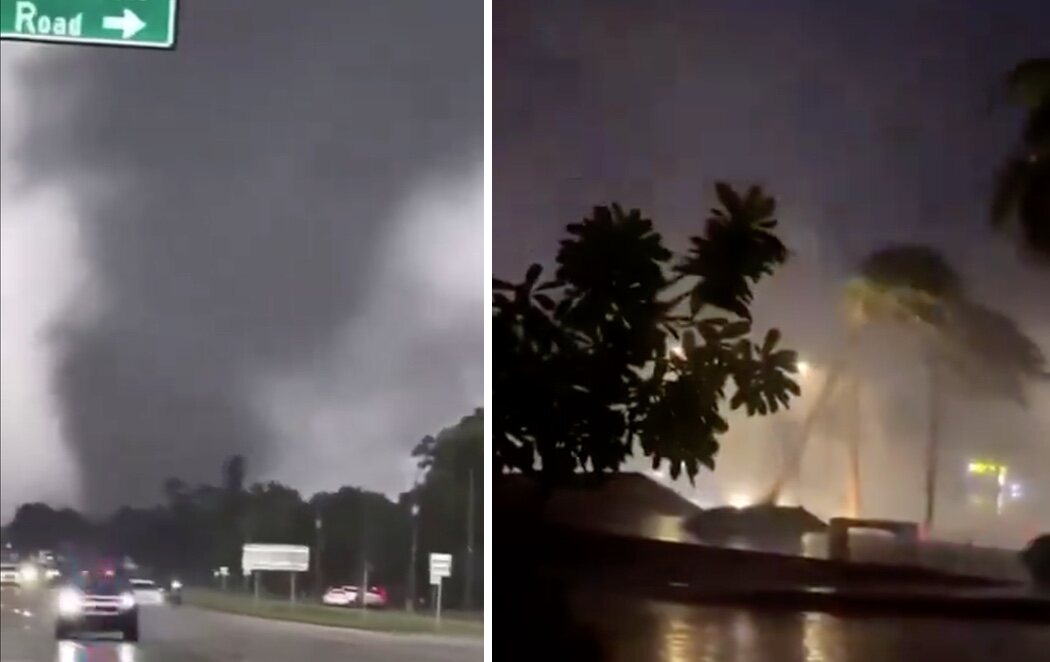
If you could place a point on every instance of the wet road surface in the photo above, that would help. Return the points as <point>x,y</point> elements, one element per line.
<point>185,634</point>
<point>630,629</point>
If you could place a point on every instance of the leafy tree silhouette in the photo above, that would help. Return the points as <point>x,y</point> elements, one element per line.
<point>629,348</point>
<point>1022,187</point>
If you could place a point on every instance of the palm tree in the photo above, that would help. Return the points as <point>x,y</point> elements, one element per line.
<point>914,286</point>
<point>899,284</point>
<point>1022,188</point>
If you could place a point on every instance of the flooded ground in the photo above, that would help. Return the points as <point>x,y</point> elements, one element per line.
<point>632,630</point>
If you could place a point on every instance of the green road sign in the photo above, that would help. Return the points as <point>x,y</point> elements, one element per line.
<point>143,23</point>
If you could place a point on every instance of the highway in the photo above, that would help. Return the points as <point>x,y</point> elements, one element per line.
<point>186,634</point>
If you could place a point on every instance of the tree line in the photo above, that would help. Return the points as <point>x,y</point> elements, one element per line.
<point>199,528</point>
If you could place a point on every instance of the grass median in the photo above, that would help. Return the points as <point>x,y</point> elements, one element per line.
<point>454,624</point>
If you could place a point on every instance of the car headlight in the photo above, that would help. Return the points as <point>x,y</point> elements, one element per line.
<point>175,584</point>
<point>29,574</point>
<point>69,602</point>
<point>127,601</point>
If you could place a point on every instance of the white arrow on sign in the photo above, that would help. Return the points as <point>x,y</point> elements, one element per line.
<point>129,24</point>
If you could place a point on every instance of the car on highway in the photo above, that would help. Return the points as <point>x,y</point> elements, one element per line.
<point>147,592</point>
<point>97,602</point>
<point>175,594</point>
<point>347,596</point>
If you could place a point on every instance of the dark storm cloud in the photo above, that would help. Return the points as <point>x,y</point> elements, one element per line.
<point>870,122</point>
<point>232,198</point>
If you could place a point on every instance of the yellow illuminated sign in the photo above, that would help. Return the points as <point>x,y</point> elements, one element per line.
<point>987,468</point>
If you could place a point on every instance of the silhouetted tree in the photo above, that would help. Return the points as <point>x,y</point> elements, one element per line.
<point>629,348</point>
<point>200,528</point>
<point>1022,193</point>
<point>450,495</point>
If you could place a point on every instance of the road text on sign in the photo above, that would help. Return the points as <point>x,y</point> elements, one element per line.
<point>144,23</point>
<point>440,567</point>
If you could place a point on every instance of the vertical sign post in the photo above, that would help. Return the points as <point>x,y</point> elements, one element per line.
<point>440,569</point>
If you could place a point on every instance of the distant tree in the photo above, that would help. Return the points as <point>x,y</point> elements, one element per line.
<point>38,526</point>
<point>191,534</point>
<point>452,499</point>
<point>630,348</point>
<point>1022,193</point>
<point>234,529</point>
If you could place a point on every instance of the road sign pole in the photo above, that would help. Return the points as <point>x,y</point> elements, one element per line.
<point>293,586</point>
<point>441,582</point>
<point>257,586</point>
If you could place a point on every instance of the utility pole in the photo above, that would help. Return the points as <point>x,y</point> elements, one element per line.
<point>413,556</point>
<point>933,440</point>
<point>468,571</point>
<point>363,589</point>
<point>318,571</point>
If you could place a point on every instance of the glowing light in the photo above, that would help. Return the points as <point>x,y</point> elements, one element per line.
<point>803,368</point>
<point>983,468</point>
<point>739,500</point>
<point>127,601</point>
<point>69,602</point>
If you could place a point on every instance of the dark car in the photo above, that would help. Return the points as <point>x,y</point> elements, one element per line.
<point>97,602</point>
<point>175,594</point>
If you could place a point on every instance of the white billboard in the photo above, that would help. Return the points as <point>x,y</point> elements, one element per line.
<point>275,558</point>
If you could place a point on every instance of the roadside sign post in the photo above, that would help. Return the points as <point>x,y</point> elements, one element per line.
<point>137,23</point>
<point>440,568</point>
<point>224,572</point>
<point>259,558</point>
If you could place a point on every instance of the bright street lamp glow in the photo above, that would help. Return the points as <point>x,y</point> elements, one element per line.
<point>803,368</point>
<point>739,500</point>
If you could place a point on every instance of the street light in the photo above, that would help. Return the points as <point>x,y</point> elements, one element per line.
<point>803,367</point>
<point>318,572</point>
<point>415,540</point>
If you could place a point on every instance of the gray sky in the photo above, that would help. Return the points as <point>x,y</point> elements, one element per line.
<point>871,122</point>
<point>268,241</point>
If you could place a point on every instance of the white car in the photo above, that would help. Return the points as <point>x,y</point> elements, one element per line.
<point>337,597</point>
<point>147,593</point>
<point>346,596</point>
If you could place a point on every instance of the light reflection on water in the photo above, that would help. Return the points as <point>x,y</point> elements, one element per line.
<point>681,645</point>
<point>814,628</point>
<point>634,630</point>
